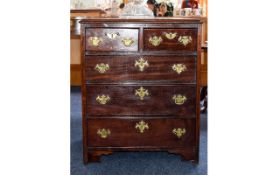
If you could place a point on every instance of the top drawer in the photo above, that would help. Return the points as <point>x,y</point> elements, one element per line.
<point>111,39</point>
<point>170,39</point>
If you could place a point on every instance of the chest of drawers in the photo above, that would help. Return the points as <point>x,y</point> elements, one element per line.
<point>140,88</point>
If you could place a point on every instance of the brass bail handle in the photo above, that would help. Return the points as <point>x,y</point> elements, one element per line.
<point>185,40</point>
<point>104,133</point>
<point>127,42</point>
<point>102,68</point>
<point>179,132</point>
<point>103,99</point>
<point>95,41</point>
<point>179,68</point>
<point>179,99</point>
<point>155,40</point>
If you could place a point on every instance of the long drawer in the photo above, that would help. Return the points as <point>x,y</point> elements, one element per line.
<point>143,100</point>
<point>175,69</point>
<point>170,39</point>
<point>141,132</point>
<point>111,39</point>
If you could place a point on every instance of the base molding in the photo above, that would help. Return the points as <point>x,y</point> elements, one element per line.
<point>187,154</point>
<point>95,156</point>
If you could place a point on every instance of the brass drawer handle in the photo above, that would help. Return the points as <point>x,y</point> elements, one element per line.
<point>95,41</point>
<point>141,63</point>
<point>185,40</point>
<point>112,35</point>
<point>127,42</point>
<point>104,133</point>
<point>141,126</point>
<point>155,40</point>
<point>179,68</point>
<point>141,92</point>
<point>102,68</point>
<point>170,35</point>
<point>103,99</point>
<point>179,132</point>
<point>179,99</point>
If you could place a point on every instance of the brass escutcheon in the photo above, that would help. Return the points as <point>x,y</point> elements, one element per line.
<point>95,41</point>
<point>155,40</point>
<point>179,68</point>
<point>102,68</point>
<point>141,126</point>
<point>141,92</point>
<point>179,132</point>
<point>103,99</point>
<point>170,35</point>
<point>127,42</point>
<point>179,99</point>
<point>141,63</point>
<point>185,40</point>
<point>112,35</point>
<point>104,133</point>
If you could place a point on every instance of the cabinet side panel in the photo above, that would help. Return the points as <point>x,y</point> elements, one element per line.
<point>83,88</point>
<point>198,92</point>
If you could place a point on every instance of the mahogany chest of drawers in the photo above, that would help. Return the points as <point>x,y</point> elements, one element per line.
<point>140,88</point>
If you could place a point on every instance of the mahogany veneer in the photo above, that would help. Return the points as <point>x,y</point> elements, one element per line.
<point>170,44</point>
<point>109,44</point>
<point>122,69</point>
<point>140,88</point>
<point>123,100</point>
<point>124,133</point>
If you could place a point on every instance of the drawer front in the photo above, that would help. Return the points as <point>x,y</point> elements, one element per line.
<point>102,69</point>
<point>141,100</point>
<point>109,39</point>
<point>137,132</point>
<point>170,39</point>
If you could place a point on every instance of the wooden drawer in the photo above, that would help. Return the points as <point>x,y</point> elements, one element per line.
<point>170,39</point>
<point>145,68</point>
<point>141,100</point>
<point>137,132</point>
<point>110,39</point>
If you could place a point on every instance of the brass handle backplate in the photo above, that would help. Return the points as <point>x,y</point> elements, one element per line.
<point>179,99</point>
<point>127,42</point>
<point>179,132</point>
<point>103,99</point>
<point>170,35</point>
<point>95,41</point>
<point>104,133</point>
<point>102,68</point>
<point>185,40</point>
<point>141,126</point>
<point>112,35</point>
<point>179,68</point>
<point>141,63</point>
<point>155,40</point>
<point>141,92</point>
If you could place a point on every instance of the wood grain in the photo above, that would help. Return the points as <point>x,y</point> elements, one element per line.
<point>124,133</point>
<point>123,69</point>
<point>123,100</point>
<point>108,44</point>
<point>170,44</point>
